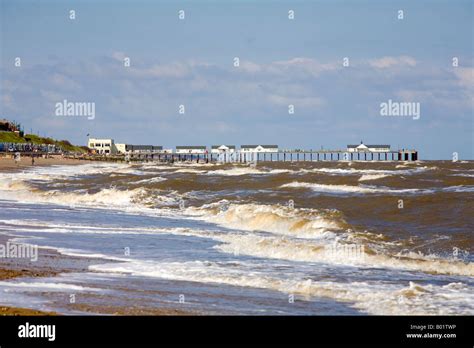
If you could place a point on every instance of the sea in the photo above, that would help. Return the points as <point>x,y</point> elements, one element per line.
<point>271,238</point>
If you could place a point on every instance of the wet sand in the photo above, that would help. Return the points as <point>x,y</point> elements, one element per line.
<point>50,263</point>
<point>10,269</point>
<point>18,268</point>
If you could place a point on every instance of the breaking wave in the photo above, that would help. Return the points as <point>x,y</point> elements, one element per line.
<point>339,189</point>
<point>300,223</point>
<point>354,171</point>
<point>367,177</point>
<point>350,189</point>
<point>346,253</point>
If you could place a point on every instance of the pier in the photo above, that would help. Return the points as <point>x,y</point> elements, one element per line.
<point>279,156</point>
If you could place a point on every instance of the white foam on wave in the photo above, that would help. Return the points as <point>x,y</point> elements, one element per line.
<point>323,234</point>
<point>458,188</point>
<point>104,197</point>
<point>354,171</point>
<point>16,186</point>
<point>153,180</point>
<point>350,188</point>
<point>220,169</point>
<point>130,200</point>
<point>348,252</point>
<point>190,171</point>
<point>299,223</point>
<point>467,175</point>
<point>320,245</point>
<point>366,189</point>
<point>53,172</point>
<point>29,225</point>
<point>367,177</point>
<point>237,171</point>
<point>43,286</point>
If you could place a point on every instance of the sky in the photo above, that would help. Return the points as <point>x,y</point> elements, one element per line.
<point>282,62</point>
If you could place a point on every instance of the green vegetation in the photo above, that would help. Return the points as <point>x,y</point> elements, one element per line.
<point>12,137</point>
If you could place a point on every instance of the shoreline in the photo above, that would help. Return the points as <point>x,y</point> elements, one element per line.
<point>24,268</point>
<point>8,163</point>
<point>52,263</point>
<point>8,268</point>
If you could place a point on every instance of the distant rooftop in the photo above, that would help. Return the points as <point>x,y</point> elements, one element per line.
<point>218,146</point>
<point>143,147</point>
<point>191,147</point>
<point>378,146</point>
<point>254,146</point>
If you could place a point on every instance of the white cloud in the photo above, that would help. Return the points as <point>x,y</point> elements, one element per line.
<point>303,102</point>
<point>62,81</point>
<point>292,67</point>
<point>51,96</point>
<point>119,56</point>
<point>306,65</point>
<point>250,67</point>
<point>465,77</point>
<point>390,62</point>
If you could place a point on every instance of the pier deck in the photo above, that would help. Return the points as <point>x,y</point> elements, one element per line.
<point>281,156</point>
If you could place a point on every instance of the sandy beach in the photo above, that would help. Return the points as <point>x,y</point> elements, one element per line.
<point>10,269</point>
<point>8,163</point>
<point>50,263</point>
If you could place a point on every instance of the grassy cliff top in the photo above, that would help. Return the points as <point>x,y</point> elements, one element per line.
<point>11,137</point>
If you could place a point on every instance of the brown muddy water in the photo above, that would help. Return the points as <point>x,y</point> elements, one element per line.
<point>338,237</point>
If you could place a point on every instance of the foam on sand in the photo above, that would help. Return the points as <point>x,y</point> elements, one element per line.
<point>372,297</point>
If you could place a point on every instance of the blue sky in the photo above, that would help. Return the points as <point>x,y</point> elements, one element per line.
<point>282,62</point>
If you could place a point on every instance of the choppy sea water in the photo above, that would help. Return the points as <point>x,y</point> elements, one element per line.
<point>315,238</point>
